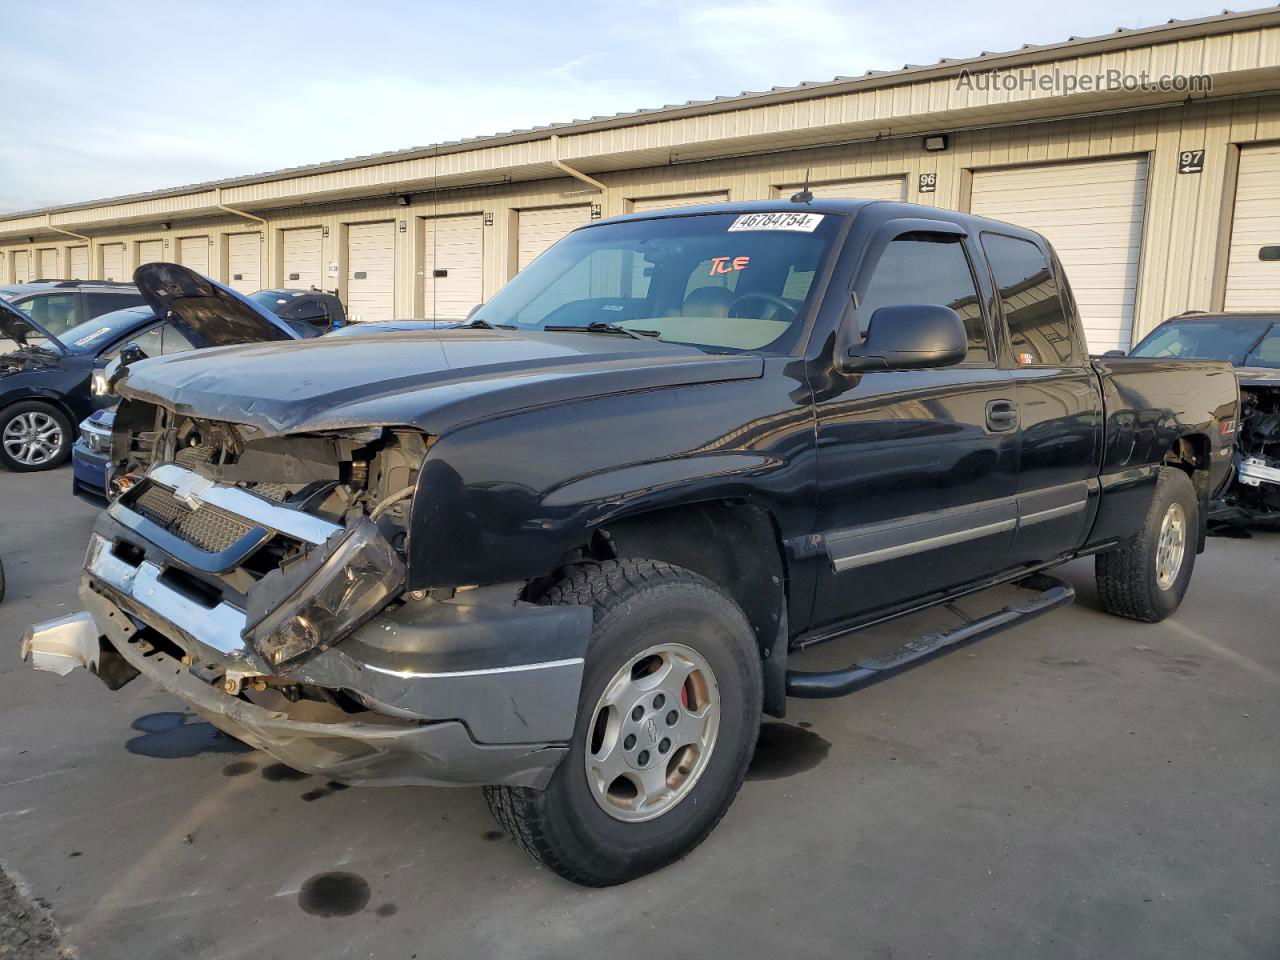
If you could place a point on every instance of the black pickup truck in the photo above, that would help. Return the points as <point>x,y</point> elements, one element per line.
<point>563,551</point>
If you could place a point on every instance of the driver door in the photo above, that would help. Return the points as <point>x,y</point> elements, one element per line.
<point>917,469</point>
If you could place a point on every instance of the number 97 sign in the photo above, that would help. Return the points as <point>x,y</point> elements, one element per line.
<point>1190,161</point>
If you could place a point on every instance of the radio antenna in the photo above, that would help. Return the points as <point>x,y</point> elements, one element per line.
<point>805,194</point>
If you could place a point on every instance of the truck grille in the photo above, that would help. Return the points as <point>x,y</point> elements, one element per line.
<point>207,528</point>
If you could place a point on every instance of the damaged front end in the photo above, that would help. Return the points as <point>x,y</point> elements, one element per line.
<point>262,579</point>
<point>1254,496</point>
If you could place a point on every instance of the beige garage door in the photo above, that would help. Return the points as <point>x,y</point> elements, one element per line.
<point>113,261</point>
<point>302,263</point>
<point>244,262</point>
<point>539,229</point>
<point>371,273</point>
<point>1092,214</point>
<point>150,251</point>
<point>687,200</point>
<point>78,259</point>
<point>21,266</point>
<point>47,264</point>
<point>193,252</point>
<point>452,266</point>
<point>868,188</point>
<point>1252,283</point>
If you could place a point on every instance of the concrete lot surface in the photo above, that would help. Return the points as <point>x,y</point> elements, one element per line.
<point>1083,787</point>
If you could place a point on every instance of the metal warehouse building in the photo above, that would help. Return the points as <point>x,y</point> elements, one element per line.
<point>1159,199</point>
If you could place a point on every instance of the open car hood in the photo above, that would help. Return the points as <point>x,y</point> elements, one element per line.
<point>1258,377</point>
<point>209,314</point>
<point>18,327</point>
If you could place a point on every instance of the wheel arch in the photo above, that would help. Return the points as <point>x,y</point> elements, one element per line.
<point>736,544</point>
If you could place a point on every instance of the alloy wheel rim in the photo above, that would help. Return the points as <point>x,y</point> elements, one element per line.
<point>1171,546</point>
<point>652,732</point>
<point>32,438</point>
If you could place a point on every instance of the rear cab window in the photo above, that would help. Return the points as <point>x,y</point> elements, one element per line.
<point>1040,332</point>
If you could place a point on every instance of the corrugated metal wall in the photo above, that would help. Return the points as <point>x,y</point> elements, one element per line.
<point>1183,250</point>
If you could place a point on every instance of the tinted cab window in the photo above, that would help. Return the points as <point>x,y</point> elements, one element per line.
<point>105,302</point>
<point>1039,330</point>
<point>928,269</point>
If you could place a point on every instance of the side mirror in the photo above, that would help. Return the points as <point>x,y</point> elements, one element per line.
<point>1115,353</point>
<point>907,337</point>
<point>129,353</point>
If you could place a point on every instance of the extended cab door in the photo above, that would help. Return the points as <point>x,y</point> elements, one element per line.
<point>916,468</point>
<point>1059,398</point>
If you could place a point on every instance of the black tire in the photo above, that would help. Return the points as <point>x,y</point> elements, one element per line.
<point>1128,585</point>
<point>39,409</point>
<point>638,604</point>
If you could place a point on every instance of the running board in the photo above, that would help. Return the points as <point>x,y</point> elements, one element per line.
<point>1054,593</point>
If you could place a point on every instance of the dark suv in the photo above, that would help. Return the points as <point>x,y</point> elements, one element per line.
<point>59,305</point>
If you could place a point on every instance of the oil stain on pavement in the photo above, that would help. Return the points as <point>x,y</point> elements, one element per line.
<point>334,894</point>
<point>171,735</point>
<point>784,750</point>
<point>279,772</point>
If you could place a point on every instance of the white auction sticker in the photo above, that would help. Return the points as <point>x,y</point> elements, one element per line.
<point>798,222</point>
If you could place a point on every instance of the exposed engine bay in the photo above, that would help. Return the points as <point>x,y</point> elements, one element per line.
<point>26,359</point>
<point>304,575</point>
<point>1255,495</point>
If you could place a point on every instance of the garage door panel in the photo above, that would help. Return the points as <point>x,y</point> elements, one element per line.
<point>864,188</point>
<point>150,251</point>
<point>21,267</point>
<point>454,245</point>
<point>193,252</point>
<point>47,264</point>
<point>78,258</point>
<point>302,262</point>
<point>1254,284</point>
<point>1092,213</point>
<point>686,200</point>
<point>244,262</point>
<point>113,261</point>
<point>371,271</point>
<point>539,229</point>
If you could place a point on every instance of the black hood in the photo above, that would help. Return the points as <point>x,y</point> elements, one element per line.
<point>1258,377</point>
<point>18,327</point>
<point>432,380</point>
<point>209,314</point>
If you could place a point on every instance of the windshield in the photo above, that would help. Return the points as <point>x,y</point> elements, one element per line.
<point>92,335</point>
<point>721,282</point>
<point>274,300</point>
<point>1229,340</point>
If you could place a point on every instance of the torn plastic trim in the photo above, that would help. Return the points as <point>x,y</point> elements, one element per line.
<point>59,646</point>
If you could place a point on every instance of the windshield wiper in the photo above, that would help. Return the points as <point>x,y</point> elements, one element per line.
<point>599,326</point>
<point>478,324</point>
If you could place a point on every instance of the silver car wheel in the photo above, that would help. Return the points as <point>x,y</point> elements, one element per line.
<point>652,732</point>
<point>32,438</point>
<point>1171,546</point>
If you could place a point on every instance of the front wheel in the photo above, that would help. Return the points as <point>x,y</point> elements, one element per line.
<point>1147,578</point>
<point>667,722</point>
<point>33,436</point>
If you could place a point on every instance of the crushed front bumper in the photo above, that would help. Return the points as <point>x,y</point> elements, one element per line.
<point>476,690</point>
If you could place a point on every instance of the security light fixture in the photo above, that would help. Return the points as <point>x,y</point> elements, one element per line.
<point>402,200</point>
<point>935,143</point>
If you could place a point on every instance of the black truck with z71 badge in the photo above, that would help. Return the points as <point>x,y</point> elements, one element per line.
<point>562,551</point>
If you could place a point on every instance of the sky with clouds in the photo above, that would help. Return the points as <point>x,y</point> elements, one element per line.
<point>104,98</point>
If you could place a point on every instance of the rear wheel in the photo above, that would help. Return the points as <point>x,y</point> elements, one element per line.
<point>1147,578</point>
<point>33,436</point>
<point>667,722</point>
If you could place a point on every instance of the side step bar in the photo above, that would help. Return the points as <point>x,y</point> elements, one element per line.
<point>1054,593</point>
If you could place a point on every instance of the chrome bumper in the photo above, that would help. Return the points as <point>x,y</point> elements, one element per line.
<point>1254,473</point>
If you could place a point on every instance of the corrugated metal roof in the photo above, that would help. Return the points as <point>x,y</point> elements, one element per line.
<point>1214,24</point>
